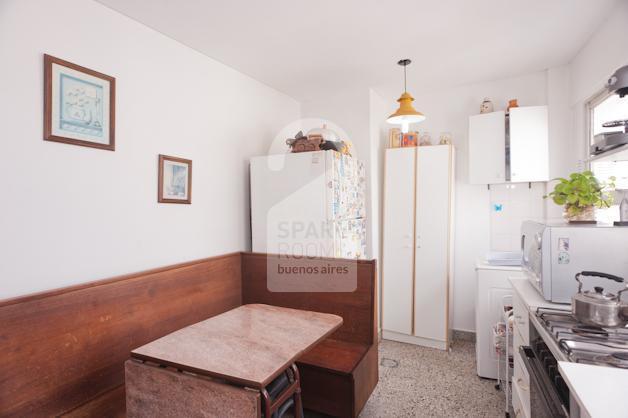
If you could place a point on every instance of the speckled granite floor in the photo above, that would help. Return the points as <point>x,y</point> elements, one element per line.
<point>423,382</point>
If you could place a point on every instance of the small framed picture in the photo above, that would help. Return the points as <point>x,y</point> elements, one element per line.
<point>175,180</point>
<point>79,105</point>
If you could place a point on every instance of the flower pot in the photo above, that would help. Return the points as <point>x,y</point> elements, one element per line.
<point>579,215</point>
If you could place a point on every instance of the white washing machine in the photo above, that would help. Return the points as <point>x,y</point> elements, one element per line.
<point>492,286</point>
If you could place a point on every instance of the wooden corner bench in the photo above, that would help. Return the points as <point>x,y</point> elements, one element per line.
<point>63,351</point>
<point>340,373</point>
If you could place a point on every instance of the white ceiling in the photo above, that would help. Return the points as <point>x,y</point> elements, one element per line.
<point>308,48</point>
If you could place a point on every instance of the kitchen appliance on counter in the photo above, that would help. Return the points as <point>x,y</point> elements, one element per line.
<point>554,253</point>
<point>597,307</point>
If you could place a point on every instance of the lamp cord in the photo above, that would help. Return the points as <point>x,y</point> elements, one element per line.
<point>405,88</point>
<point>404,62</point>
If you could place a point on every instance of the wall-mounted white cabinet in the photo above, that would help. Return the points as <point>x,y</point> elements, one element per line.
<point>487,148</point>
<point>509,148</point>
<point>418,242</point>
<point>529,144</point>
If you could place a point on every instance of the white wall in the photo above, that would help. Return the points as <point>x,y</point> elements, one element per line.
<point>378,112</point>
<point>448,110</point>
<point>562,151</point>
<point>72,214</point>
<point>360,113</point>
<point>349,110</point>
<point>511,205</point>
<point>605,52</point>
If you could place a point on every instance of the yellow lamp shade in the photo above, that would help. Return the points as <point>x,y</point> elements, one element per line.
<point>406,113</point>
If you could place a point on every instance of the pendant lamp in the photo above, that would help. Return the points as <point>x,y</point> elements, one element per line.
<point>406,114</point>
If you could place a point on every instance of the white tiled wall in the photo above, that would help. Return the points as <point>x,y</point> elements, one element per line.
<point>511,204</point>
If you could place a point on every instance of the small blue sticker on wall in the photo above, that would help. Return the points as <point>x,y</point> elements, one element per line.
<point>498,207</point>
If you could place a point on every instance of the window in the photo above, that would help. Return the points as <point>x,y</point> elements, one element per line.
<point>605,108</point>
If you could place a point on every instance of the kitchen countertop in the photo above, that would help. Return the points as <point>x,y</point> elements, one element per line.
<point>600,390</point>
<point>531,297</point>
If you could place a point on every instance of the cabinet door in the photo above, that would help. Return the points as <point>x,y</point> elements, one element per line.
<point>433,223</point>
<point>487,148</point>
<point>398,234</point>
<point>529,154</point>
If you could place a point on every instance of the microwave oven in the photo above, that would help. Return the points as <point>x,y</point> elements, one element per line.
<point>554,253</point>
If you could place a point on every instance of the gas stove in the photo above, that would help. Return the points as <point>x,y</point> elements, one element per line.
<point>582,343</point>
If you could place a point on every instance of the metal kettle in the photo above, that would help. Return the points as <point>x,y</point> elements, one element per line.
<point>597,307</point>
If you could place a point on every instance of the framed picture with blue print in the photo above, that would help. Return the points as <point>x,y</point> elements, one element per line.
<point>79,105</point>
<point>175,180</point>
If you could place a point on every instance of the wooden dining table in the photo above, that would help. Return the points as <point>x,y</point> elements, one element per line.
<point>226,361</point>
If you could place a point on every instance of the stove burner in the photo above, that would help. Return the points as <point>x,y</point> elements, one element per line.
<point>583,343</point>
<point>589,330</point>
<point>614,359</point>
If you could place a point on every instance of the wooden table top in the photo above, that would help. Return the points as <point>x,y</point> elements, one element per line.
<point>250,345</point>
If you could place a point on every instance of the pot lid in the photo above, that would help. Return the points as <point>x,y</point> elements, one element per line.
<point>599,295</point>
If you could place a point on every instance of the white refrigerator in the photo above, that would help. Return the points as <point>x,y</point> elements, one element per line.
<point>308,204</point>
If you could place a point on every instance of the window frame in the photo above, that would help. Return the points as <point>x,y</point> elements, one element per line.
<point>589,105</point>
<point>593,101</point>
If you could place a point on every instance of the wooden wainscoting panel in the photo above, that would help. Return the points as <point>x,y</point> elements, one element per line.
<point>357,309</point>
<point>63,349</point>
<point>110,404</point>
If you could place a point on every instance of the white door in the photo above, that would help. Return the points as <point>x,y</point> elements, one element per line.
<point>487,148</point>
<point>529,154</point>
<point>398,240</point>
<point>433,193</point>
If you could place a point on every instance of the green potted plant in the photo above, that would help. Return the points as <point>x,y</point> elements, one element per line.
<point>580,194</point>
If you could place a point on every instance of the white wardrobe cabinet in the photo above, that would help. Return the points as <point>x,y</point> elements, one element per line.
<point>509,148</point>
<point>418,242</point>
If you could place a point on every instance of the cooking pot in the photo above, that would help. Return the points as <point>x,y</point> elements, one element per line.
<point>596,307</point>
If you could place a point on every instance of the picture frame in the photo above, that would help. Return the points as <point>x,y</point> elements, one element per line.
<point>175,180</point>
<point>79,105</point>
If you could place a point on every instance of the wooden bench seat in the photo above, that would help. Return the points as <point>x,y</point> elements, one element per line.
<point>336,356</point>
<point>337,377</point>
